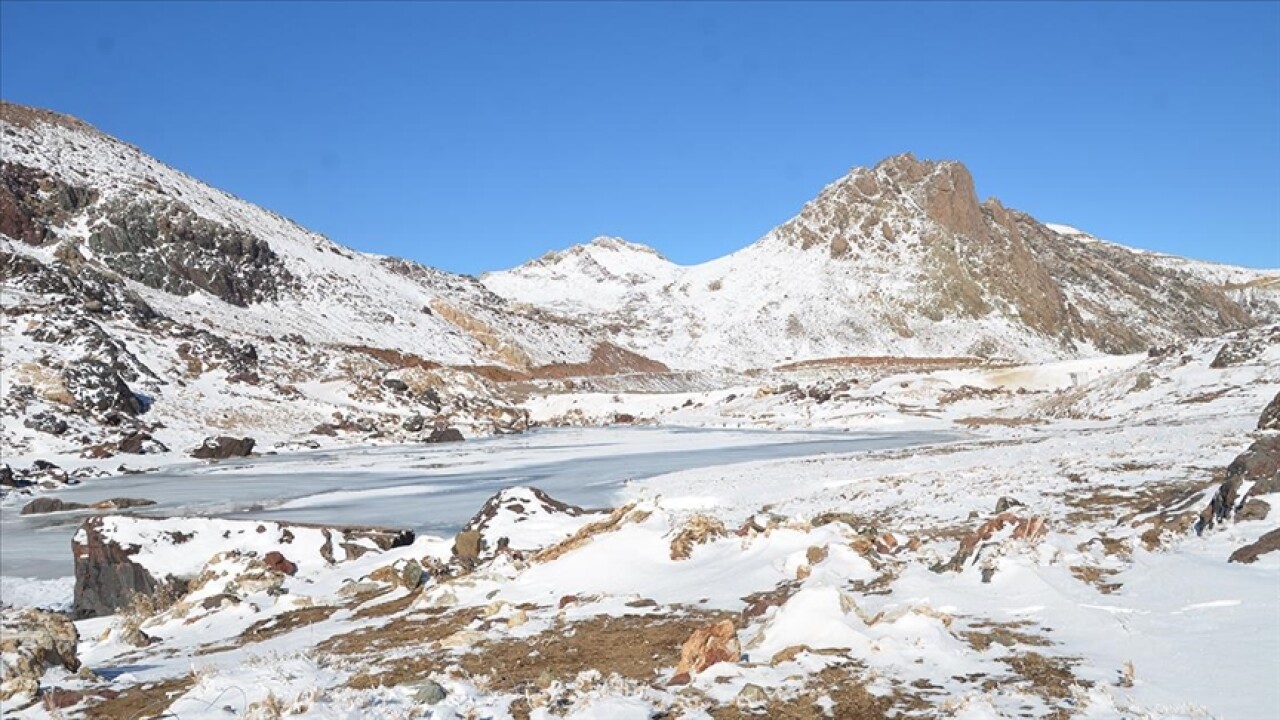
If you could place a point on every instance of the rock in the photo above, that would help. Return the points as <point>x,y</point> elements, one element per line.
<point>276,561</point>
<point>1251,552</point>
<point>1026,529</point>
<point>118,556</point>
<point>140,443</point>
<point>467,546</point>
<point>1260,464</point>
<point>133,635</point>
<point>41,506</point>
<point>445,435</point>
<point>46,423</point>
<point>411,574</point>
<point>1253,509</point>
<point>223,447</point>
<point>1270,418</point>
<point>414,423</point>
<point>122,503</point>
<point>31,642</point>
<point>395,385</point>
<point>711,644</point>
<point>219,601</point>
<point>98,387</point>
<point>428,692</point>
<point>1238,352</point>
<point>1006,503</point>
<point>7,478</point>
<point>752,695</point>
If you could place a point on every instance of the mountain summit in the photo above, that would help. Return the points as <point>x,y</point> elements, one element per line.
<point>898,259</point>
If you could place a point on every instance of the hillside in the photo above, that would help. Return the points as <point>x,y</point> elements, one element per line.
<point>899,259</point>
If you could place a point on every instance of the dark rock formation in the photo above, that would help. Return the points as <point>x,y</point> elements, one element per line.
<point>1260,464</point>
<point>445,435</point>
<point>1270,418</point>
<point>1251,552</point>
<point>223,447</point>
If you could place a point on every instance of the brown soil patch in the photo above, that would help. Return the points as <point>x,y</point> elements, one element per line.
<point>984,634</point>
<point>635,647</point>
<point>1096,577</point>
<point>142,701</point>
<point>606,359</point>
<point>383,609</point>
<point>394,358</point>
<point>286,622</point>
<point>843,685</point>
<point>1049,677</point>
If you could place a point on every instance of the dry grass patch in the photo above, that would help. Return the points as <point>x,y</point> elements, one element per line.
<point>286,622</point>
<point>148,700</point>
<point>985,633</point>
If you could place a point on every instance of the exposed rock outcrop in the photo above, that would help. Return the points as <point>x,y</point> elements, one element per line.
<point>223,447</point>
<point>31,642</point>
<point>117,557</point>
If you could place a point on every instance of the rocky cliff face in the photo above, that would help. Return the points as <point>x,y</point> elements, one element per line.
<point>899,259</point>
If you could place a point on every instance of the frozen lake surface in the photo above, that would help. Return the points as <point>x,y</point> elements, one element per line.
<point>431,489</point>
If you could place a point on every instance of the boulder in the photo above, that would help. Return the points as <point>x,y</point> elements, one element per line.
<point>140,443</point>
<point>223,447</point>
<point>414,423</point>
<point>395,385</point>
<point>443,435</point>
<point>117,556</point>
<point>711,644</point>
<point>277,562</point>
<point>428,692</point>
<point>31,642</point>
<point>98,387</point>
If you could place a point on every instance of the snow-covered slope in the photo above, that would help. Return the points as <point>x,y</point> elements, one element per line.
<point>900,259</point>
<point>138,299</point>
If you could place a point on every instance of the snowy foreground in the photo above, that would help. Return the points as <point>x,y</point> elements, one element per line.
<point>1039,559</point>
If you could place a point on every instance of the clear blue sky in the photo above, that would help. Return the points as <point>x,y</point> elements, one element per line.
<point>473,137</point>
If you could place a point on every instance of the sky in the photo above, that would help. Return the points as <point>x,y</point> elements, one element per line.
<point>476,136</point>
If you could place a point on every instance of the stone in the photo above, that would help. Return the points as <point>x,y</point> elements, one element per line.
<point>467,546</point>
<point>140,443</point>
<point>276,561</point>
<point>443,435</point>
<point>1006,503</point>
<point>395,385</point>
<point>223,447</point>
<point>708,645</point>
<point>411,574</point>
<point>44,505</point>
<point>414,423</point>
<point>46,422</point>
<point>31,642</point>
<point>752,695</point>
<point>429,692</point>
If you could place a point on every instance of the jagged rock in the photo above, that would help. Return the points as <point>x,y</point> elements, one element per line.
<point>277,562</point>
<point>445,435</point>
<point>1260,464</point>
<point>1270,418</point>
<point>6,477</point>
<point>1238,352</point>
<point>1026,529</point>
<point>119,556</point>
<point>98,387</point>
<point>46,423</point>
<point>414,423</point>
<point>395,385</point>
<point>1263,545</point>
<point>223,447</point>
<point>717,642</point>
<point>31,642</point>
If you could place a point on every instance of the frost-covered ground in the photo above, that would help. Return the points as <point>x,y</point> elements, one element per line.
<point>1040,562</point>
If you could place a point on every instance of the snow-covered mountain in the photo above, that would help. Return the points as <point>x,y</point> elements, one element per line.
<point>899,259</point>
<point>124,279</point>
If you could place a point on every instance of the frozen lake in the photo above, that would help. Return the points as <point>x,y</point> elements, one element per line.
<point>432,489</point>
